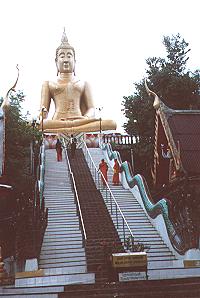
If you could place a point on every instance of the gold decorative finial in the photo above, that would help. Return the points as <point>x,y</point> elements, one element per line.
<point>156,103</point>
<point>6,99</point>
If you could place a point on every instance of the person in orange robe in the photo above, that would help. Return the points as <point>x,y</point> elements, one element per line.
<point>59,150</point>
<point>103,167</point>
<point>116,170</point>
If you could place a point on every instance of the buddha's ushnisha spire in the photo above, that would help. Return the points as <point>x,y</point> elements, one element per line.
<point>64,39</point>
<point>64,44</point>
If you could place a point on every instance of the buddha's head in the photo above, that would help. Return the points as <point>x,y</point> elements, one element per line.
<point>65,56</point>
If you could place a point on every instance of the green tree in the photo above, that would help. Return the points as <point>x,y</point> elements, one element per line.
<point>19,135</point>
<point>169,78</point>
<point>22,142</point>
<point>177,86</point>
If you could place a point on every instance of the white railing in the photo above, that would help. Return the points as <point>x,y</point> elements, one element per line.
<point>76,198</point>
<point>109,197</point>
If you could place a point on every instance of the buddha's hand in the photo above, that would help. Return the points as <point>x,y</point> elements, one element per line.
<point>40,119</point>
<point>77,118</point>
<point>43,113</point>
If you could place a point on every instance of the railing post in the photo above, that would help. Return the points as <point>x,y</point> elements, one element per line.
<point>93,169</point>
<point>116,216</point>
<point>95,179</point>
<point>111,205</point>
<point>124,232</point>
<point>98,182</point>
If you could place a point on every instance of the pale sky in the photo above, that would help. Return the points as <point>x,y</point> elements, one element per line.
<point>112,40</point>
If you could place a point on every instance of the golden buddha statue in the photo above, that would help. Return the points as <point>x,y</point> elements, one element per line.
<point>74,108</point>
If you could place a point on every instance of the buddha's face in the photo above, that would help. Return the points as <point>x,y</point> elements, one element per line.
<point>65,61</point>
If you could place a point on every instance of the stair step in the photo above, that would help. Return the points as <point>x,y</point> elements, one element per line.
<point>66,218</point>
<point>58,229</point>
<point>62,236</point>
<point>62,264</point>
<point>63,240</point>
<point>65,255</point>
<point>63,223</point>
<point>58,276</point>
<point>61,213</point>
<point>14,291</point>
<point>77,260</point>
<point>68,250</point>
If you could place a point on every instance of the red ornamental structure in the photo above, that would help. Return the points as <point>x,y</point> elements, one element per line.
<point>177,144</point>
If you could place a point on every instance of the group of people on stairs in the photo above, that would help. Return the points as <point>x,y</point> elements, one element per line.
<point>103,167</point>
<point>59,148</point>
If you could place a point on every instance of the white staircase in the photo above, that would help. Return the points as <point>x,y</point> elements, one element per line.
<point>62,243</point>
<point>159,255</point>
<point>62,257</point>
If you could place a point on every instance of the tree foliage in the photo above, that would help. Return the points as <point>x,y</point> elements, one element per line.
<point>19,135</point>
<point>169,78</point>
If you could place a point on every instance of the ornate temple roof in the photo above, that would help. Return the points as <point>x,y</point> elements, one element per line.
<point>182,130</point>
<point>185,129</point>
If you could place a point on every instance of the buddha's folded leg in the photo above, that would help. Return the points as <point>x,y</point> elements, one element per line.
<point>88,127</point>
<point>57,124</point>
